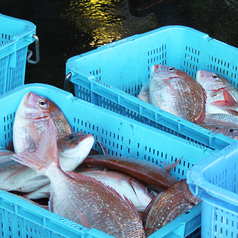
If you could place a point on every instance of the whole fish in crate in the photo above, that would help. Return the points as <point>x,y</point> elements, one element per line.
<point>32,108</point>
<point>176,92</point>
<point>222,97</point>
<point>168,205</point>
<point>73,149</point>
<point>126,186</point>
<point>149,174</point>
<point>80,198</point>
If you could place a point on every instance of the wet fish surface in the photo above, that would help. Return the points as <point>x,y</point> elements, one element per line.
<point>176,92</point>
<point>31,120</point>
<point>168,205</point>
<point>73,149</point>
<point>126,186</point>
<point>151,175</point>
<point>229,131</point>
<point>80,198</point>
<point>222,96</point>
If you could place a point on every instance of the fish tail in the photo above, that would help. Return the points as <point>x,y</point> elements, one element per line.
<point>45,154</point>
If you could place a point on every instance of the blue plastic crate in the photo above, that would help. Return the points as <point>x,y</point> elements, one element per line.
<point>111,76</point>
<point>15,37</point>
<point>120,136</point>
<point>214,180</point>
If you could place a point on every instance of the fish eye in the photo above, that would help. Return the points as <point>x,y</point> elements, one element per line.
<point>231,130</point>
<point>43,104</point>
<point>171,69</point>
<point>216,77</point>
<point>149,190</point>
<point>71,137</point>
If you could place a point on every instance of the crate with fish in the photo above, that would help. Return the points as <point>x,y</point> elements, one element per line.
<point>42,126</point>
<point>151,78</point>
<point>15,37</point>
<point>214,182</point>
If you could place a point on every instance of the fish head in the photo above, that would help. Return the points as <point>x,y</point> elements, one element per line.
<point>166,72</point>
<point>73,149</point>
<point>210,81</point>
<point>36,106</point>
<point>227,130</point>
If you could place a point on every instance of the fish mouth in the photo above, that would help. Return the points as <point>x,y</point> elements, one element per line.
<point>85,136</point>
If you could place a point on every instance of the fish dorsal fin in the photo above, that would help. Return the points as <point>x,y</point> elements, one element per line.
<point>169,167</point>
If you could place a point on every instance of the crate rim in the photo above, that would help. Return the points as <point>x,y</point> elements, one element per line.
<point>23,38</point>
<point>70,61</point>
<point>30,26</point>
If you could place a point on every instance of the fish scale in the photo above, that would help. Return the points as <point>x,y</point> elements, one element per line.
<point>31,119</point>
<point>17,177</point>
<point>76,197</point>
<point>125,185</point>
<point>176,92</point>
<point>222,97</point>
<point>168,205</point>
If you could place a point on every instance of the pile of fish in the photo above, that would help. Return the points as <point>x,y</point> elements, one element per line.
<point>122,197</point>
<point>209,101</point>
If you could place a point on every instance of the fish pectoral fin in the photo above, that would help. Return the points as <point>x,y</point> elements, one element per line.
<point>83,220</point>
<point>228,101</point>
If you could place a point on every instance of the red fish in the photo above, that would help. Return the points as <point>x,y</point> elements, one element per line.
<point>80,198</point>
<point>153,176</point>
<point>31,120</point>
<point>168,205</point>
<point>229,131</point>
<point>14,176</point>
<point>176,92</point>
<point>222,96</point>
<point>126,186</point>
